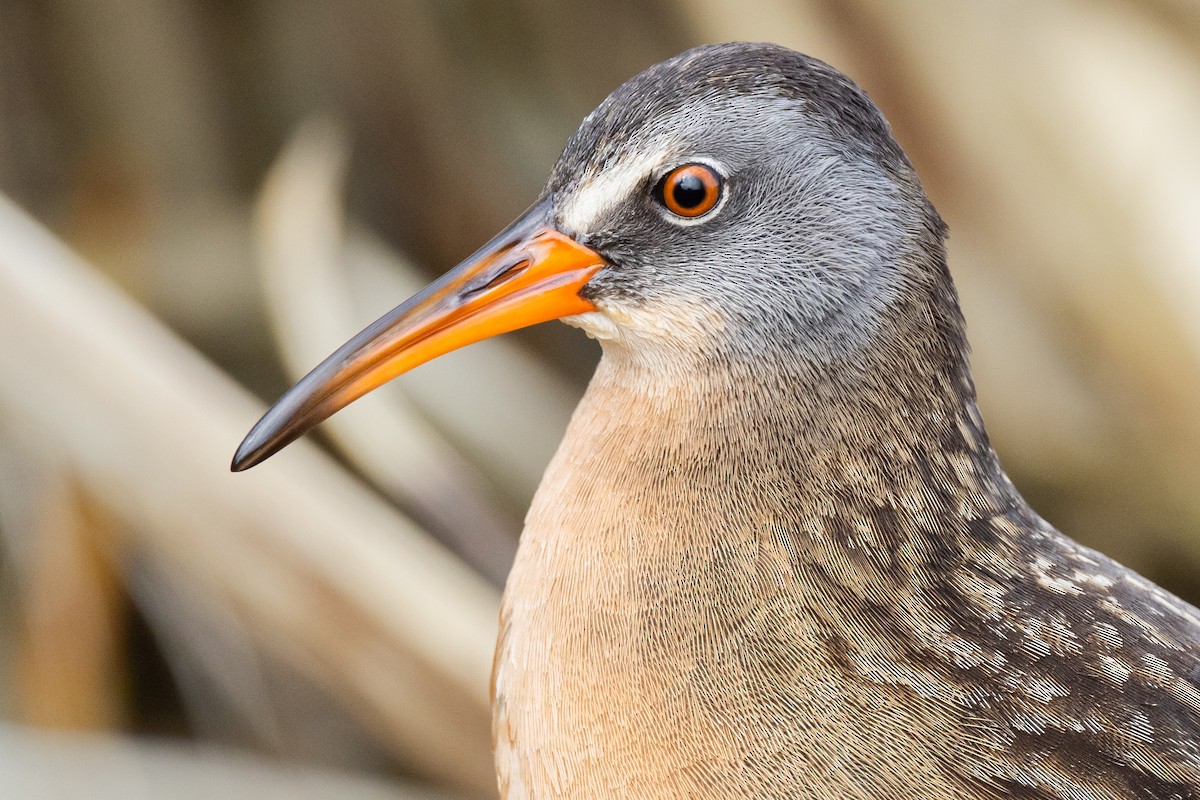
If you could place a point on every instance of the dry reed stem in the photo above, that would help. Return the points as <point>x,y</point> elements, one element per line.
<point>324,572</point>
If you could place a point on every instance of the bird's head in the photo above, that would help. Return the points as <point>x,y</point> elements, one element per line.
<point>745,198</point>
<point>735,203</point>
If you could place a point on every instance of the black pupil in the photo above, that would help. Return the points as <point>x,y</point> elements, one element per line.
<point>688,191</point>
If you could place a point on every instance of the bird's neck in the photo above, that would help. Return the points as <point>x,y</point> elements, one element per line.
<point>671,463</point>
<point>870,435</point>
<point>696,523</point>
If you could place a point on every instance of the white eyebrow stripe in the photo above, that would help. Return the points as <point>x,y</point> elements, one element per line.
<point>589,203</point>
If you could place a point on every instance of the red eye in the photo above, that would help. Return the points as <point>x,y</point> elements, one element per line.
<point>690,191</point>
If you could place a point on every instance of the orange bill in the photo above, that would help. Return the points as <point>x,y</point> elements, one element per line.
<point>529,273</point>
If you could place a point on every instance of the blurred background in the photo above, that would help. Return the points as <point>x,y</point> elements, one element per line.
<point>202,199</point>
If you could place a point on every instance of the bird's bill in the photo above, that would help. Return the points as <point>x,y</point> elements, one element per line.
<point>528,273</point>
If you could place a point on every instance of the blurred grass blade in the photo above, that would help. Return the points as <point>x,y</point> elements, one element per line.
<point>324,572</point>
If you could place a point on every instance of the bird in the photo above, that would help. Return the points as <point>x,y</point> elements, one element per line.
<point>775,555</point>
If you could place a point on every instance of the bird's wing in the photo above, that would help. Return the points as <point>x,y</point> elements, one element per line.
<point>1098,691</point>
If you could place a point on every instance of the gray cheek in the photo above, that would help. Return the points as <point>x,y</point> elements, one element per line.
<point>805,254</point>
<point>807,268</point>
<point>815,274</point>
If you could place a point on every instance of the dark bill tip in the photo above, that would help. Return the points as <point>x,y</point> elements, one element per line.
<point>527,274</point>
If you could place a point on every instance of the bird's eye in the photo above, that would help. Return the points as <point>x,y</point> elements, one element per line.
<point>690,191</point>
